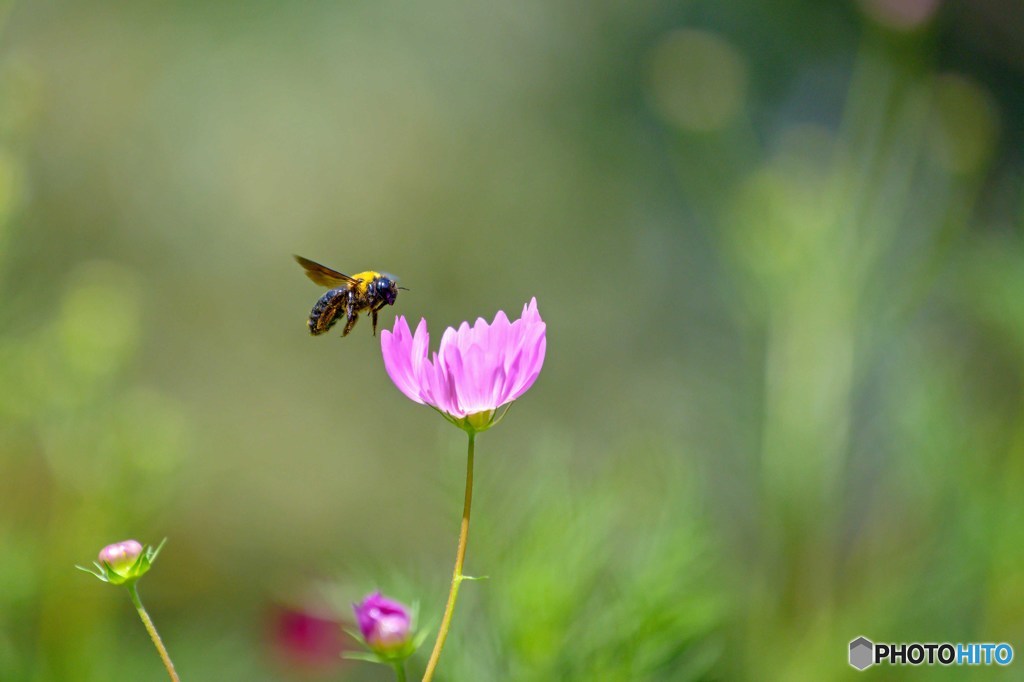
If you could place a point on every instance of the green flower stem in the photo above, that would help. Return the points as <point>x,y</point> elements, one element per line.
<point>151,629</point>
<point>399,671</point>
<point>457,577</point>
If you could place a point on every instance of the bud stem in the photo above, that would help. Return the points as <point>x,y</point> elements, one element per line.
<point>399,671</point>
<point>151,629</point>
<point>460,555</point>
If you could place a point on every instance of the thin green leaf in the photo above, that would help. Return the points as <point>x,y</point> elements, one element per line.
<point>421,637</point>
<point>91,572</point>
<point>152,557</point>
<point>364,656</point>
<point>356,635</point>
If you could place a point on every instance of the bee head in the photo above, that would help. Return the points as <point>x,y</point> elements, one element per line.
<point>387,289</point>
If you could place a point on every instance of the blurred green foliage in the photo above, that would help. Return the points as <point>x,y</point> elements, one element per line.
<point>778,249</point>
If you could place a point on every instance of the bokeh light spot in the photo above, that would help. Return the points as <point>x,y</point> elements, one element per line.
<point>782,211</point>
<point>964,125</point>
<point>697,80</point>
<point>900,15</point>
<point>99,319</point>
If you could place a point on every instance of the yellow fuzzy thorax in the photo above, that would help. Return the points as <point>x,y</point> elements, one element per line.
<point>367,277</point>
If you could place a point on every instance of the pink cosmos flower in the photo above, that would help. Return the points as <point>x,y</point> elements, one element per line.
<point>476,370</point>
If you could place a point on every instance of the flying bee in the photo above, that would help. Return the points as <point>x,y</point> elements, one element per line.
<point>364,292</point>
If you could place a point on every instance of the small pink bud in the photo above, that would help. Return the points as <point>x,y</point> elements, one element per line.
<point>122,563</point>
<point>386,624</point>
<point>121,555</point>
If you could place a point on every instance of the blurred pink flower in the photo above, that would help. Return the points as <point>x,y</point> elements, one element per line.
<point>307,635</point>
<point>475,371</point>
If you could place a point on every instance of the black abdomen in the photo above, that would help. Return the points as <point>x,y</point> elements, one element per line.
<point>327,310</point>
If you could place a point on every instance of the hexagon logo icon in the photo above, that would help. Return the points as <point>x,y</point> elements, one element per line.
<point>861,653</point>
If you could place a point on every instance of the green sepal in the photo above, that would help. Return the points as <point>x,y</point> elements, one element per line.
<point>115,578</point>
<point>476,423</point>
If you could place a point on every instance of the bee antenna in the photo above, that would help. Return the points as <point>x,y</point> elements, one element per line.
<point>404,288</point>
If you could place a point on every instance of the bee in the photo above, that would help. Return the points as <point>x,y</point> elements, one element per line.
<point>364,292</point>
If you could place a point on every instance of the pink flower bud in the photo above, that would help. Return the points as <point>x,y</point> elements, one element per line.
<point>121,555</point>
<point>122,563</point>
<point>385,624</point>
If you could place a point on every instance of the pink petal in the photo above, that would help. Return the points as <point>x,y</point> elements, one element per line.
<point>396,348</point>
<point>473,386</point>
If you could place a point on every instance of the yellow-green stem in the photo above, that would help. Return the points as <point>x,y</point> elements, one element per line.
<point>153,634</point>
<point>457,577</point>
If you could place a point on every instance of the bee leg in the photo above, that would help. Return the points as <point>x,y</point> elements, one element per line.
<point>373,317</point>
<point>350,313</point>
<point>349,323</point>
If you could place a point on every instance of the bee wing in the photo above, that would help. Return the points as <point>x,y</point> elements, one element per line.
<point>323,275</point>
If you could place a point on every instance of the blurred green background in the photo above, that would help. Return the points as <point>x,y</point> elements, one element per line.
<point>777,245</point>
